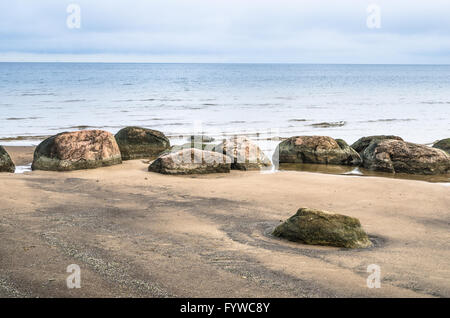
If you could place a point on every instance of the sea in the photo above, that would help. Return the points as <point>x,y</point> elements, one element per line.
<point>266,102</point>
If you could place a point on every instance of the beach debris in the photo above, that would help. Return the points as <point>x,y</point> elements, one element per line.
<point>245,154</point>
<point>140,143</point>
<point>315,227</point>
<point>362,143</point>
<point>85,149</point>
<point>396,156</point>
<point>317,150</point>
<point>6,163</point>
<point>443,144</point>
<point>191,161</point>
<point>329,124</point>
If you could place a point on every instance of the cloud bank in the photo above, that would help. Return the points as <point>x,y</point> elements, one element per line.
<point>279,31</point>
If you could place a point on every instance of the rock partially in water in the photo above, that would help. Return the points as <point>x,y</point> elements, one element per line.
<point>390,155</point>
<point>362,143</point>
<point>86,149</point>
<point>6,163</point>
<point>245,155</point>
<point>443,144</point>
<point>141,143</point>
<point>317,150</point>
<point>191,161</point>
<point>315,227</point>
<point>329,124</point>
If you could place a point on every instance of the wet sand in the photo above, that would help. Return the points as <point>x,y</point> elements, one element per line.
<point>140,234</point>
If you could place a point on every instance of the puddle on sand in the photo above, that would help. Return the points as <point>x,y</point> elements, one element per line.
<point>358,171</point>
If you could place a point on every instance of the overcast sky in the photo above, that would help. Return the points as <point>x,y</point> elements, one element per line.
<point>280,31</point>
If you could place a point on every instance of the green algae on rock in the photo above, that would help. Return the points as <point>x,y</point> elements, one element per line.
<point>315,227</point>
<point>6,163</point>
<point>443,144</point>
<point>141,143</point>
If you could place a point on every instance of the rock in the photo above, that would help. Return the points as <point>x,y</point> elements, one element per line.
<point>85,149</point>
<point>191,161</point>
<point>6,164</point>
<point>139,143</point>
<point>316,227</point>
<point>443,144</point>
<point>316,149</point>
<point>328,125</point>
<point>391,155</point>
<point>362,143</point>
<point>245,155</point>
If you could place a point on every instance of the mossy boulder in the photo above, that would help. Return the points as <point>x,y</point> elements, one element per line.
<point>362,143</point>
<point>86,149</point>
<point>6,164</point>
<point>310,226</point>
<point>443,144</point>
<point>191,161</point>
<point>317,150</point>
<point>244,154</point>
<point>396,156</point>
<point>140,143</point>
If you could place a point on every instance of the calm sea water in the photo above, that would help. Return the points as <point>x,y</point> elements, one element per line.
<point>260,100</point>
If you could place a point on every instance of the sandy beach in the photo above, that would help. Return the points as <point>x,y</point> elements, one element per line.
<point>140,234</point>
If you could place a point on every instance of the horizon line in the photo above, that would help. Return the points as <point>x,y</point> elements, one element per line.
<point>248,63</point>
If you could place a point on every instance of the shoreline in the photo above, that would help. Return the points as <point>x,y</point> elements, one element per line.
<point>141,234</point>
<point>23,156</point>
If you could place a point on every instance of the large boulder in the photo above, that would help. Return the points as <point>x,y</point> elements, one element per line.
<point>85,149</point>
<point>191,161</point>
<point>310,226</point>
<point>443,144</point>
<point>6,164</point>
<point>244,154</point>
<point>316,149</point>
<point>362,143</point>
<point>393,156</point>
<point>138,143</point>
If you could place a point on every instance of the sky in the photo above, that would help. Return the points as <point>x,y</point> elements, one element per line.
<point>228,31</point>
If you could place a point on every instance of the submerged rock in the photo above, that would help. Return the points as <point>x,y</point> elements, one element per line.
<point>443,144</point>
<point>362,143</point>
<point>139,143</point>
<point>328,125</point>
<point>316,149</point>
<point>191,161</point>
<point>86,149</point>
<point>393,156</point>
<point>6,164</point>
<point>310,226</point>
<point>245,155</point>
